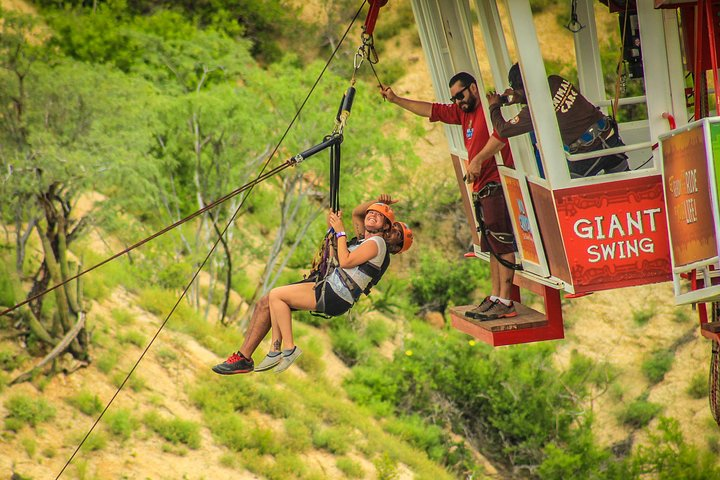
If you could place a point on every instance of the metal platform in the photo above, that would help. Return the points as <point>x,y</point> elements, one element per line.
<point>711,330</point>
<point>528,326</point>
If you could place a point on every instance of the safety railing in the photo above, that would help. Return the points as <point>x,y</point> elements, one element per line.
<point>607,151</point>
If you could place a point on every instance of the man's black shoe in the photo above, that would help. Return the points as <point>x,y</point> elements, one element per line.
<point>236,363</point>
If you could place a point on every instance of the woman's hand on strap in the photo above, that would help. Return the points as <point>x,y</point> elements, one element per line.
<point>335,221</point>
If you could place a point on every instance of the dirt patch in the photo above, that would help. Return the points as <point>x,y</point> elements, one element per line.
<point>602,328</point>
<point>18,6</point>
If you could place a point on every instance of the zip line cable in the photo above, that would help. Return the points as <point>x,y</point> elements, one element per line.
<point>209,206</point>
<point>249,187</point>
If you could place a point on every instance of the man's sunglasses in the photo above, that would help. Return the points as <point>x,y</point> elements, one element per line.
<point>459,95</point>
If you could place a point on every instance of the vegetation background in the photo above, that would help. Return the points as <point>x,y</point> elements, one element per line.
<point>121,117</point>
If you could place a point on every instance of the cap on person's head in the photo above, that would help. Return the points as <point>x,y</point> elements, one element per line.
<point>515,77</point>
<point>384,209</point>
<point>464,78</point>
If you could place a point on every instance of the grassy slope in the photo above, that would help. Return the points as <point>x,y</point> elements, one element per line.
<point>301,418</point>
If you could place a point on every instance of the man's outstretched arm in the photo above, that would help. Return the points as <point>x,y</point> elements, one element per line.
<point>418,107</point>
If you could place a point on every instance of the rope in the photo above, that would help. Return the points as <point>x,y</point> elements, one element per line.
<point>616,100</point>
<point>227,226</point>
<point>142,242</point>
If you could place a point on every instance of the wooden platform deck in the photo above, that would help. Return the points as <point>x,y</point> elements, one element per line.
<point>528,326</point>
<point>711,330</point>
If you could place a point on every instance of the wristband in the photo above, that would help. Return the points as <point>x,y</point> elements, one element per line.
<point>340,234</point>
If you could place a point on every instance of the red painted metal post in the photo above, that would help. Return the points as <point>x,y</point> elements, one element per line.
<point>710,19</point>
<point>372,15</point>
<point>698,72</point>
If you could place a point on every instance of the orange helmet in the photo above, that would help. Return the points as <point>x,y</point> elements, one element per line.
<point>407,236</point>
<point>384,209</point>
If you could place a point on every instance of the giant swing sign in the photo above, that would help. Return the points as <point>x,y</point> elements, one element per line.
<point>615,233</point>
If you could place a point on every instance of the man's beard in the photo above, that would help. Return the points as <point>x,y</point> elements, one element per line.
<point>469,105</point>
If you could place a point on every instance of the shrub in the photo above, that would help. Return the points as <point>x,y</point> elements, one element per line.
<point>174,430</point>
<point>213,397</point>
<point>681,315</point>
<point>297,435</point>
<point>698,387</point>
<point>263,440</point>
<point>640,412</point>
<point>413,429</point>
<point>333,439</point>
<point>87,402</point>
<point>657,365</point>
<point>642,317</point>
<point>175,275</point>
<point>538,6</point>
<point>347,345</point>
<point>229,430</point>
<point>133,337</point>
<point>30,446</point>
<point>311,360</point>
<point>584,370</point>
<point>166,355</point>
<point>24,410</point>
<point>7,289</point>
<point>4,380</point>
<point>10,360</point>
<point>121,423</point>
<point>350,467</point>
<point>377,331</point>
<point>122,317</point>
<point>95,442</point>
<point>387,468</point>
<point>713,444</point>
<point>578,457</point>
<point>667,456</point>
<point>135,382</point>
<point>287,465</point>
<point>107,362</point>
<point>438,280</point>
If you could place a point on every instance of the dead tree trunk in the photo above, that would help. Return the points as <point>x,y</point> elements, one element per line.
<point>54,232</point>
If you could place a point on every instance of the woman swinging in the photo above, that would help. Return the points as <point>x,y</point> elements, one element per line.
<point>361,263</point>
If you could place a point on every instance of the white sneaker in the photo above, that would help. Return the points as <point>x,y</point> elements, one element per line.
<point>270,361</point>
<point>288,357</point>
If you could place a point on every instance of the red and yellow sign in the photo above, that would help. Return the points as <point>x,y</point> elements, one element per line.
<point>615,233</point>
<point>521,222</point>
<point>689,200</point>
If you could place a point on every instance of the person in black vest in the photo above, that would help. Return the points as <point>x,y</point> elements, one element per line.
<point>362,262</point>
<point>583,127</point>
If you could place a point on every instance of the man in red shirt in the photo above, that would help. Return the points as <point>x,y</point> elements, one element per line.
<point>497,237</point>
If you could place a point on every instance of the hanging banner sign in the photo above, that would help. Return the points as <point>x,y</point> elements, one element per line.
<point>615,233</point>
<point>521,221</point>
<point>689,199</point>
